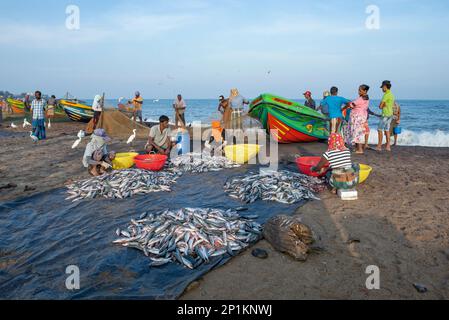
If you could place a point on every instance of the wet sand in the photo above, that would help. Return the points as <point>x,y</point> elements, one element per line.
<point>400,223</point>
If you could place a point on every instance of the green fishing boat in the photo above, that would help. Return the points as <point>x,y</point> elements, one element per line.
<point>288,121</point>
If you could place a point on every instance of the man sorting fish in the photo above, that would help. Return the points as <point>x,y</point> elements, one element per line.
<point>159,141</point>
<point>96,157</point>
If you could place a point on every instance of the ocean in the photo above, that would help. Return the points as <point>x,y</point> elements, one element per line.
<point>424,122</point>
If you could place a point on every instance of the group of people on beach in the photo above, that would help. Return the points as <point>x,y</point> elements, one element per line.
<point>41,110</point>
<point>350,118</point>
<point>348,126</point>
<point>353,129</point>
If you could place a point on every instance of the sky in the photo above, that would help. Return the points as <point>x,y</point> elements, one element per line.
<point>203,48</point>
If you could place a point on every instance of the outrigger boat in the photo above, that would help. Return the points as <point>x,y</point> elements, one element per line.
<point>292,121</point>
<point>77,110</point>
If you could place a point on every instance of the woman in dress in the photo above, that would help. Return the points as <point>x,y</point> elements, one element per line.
<point>358,118</point>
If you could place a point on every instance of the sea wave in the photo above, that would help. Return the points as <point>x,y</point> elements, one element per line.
<point>435,138</point>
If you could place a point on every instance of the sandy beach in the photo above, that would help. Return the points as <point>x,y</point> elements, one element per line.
<point>400,223</point>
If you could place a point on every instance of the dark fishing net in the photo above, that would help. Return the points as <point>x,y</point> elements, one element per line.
<point>41,235</point>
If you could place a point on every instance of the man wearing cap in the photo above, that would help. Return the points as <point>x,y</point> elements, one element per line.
<point>138,102</point>
<point>96,158</point>
<point>309,101</point>
<point>386,106</point>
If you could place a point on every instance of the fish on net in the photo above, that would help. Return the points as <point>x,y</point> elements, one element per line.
<point>121,184</point>
<point>189,236</point>
<point>199,163</point>
<point>280,186</point>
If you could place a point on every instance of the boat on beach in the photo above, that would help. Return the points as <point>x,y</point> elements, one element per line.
<point>76,110</point>
<point>17,106</point>
<point>293,121</point>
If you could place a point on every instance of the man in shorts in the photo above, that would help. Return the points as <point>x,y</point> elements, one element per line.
<point>395,123</point>
<point>138,102</point>
<point>386,106</point>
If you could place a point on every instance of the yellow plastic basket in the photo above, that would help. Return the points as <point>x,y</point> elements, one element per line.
<point>365,171</point>
<point>124,160</point>
<point>242,153</point>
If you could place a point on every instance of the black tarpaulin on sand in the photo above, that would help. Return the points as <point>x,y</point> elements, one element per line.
<point>41,236</point>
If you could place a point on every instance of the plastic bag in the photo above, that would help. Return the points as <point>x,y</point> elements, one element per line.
<point>288,235</point>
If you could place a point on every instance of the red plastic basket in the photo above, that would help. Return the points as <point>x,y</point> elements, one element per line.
<point>152,162</point>
<point>305,165</point>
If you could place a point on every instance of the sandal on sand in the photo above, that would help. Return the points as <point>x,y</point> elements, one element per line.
<point>357,152</point>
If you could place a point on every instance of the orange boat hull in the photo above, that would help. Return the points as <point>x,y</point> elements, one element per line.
<point>17,109</point>
<point>286,134</point>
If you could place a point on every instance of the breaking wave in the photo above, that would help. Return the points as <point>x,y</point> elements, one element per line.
<point>435,138</point>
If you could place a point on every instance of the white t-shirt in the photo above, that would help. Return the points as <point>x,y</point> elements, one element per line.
<point>159,137</point>
<point>96,106</point>
<point>180,105</point>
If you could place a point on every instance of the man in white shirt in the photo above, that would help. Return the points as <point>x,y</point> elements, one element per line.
<point>159,140</point>
<point>97,107</point>
<point>180,107</point>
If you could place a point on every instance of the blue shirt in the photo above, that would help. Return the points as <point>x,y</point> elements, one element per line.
<point>334,104</point>
<point>238,102</point>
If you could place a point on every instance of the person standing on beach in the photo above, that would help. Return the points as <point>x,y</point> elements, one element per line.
<point>309,101</point>
<point>138,103</point>
<point>26,101</point>
<point>180,108</point>
<point>358,118</point>
<point>51,106</point>
<point>97,106</point>
<point>38,107</point>
<point>237,103</point>
<point>225,109</point>
<point>396,122</point>
<point>386,106</point>
<point>334,104</point>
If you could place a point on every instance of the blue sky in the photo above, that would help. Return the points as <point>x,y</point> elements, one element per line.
<point>203,48</point>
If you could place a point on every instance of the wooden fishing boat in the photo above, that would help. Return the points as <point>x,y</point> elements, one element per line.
<point>77,111</point>
<point>17,106</point>
<point>288,121</point>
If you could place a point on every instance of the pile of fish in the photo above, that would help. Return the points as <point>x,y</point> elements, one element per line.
<point>200,162</point>
<point>281,186</point>
<point>190,236</point>
<point>121,184</point>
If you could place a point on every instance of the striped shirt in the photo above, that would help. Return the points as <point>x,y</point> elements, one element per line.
<point>38,107</point>
<point>338,159</point>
